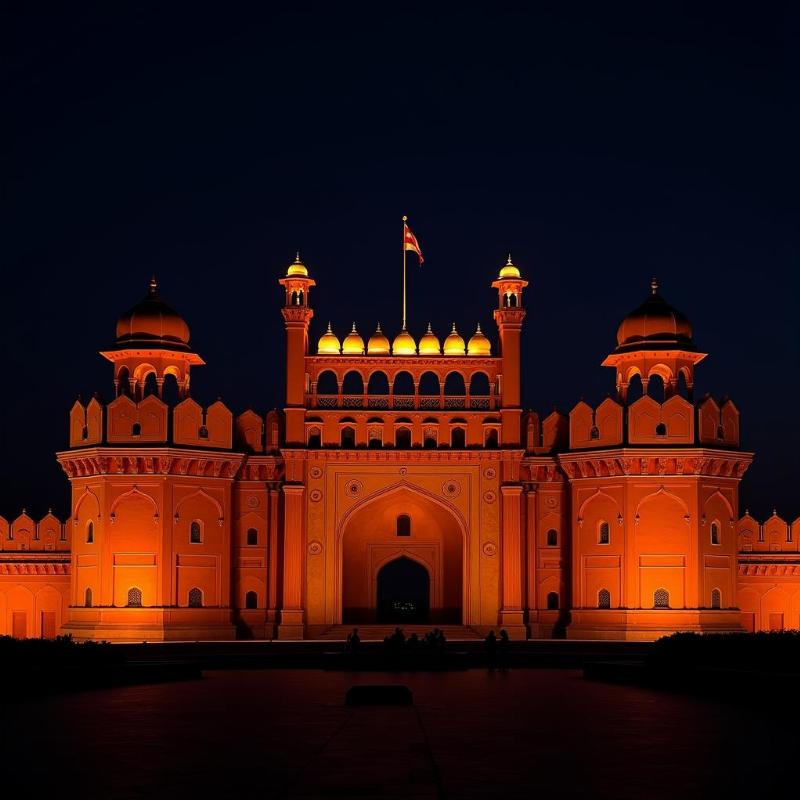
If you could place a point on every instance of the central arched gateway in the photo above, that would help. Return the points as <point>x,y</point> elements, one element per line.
<point>402,557</point>
<point>404,588</point>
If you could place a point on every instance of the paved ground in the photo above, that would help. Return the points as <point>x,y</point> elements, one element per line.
<point>286,733</point>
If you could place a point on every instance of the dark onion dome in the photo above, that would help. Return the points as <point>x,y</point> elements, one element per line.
<point>655,325</point>
<point>151,323</point>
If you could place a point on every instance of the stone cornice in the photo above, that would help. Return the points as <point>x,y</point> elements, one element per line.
<point>151,461</point>
<point>655,462</point>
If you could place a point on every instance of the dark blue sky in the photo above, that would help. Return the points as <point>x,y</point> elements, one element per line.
<point>600,145</point>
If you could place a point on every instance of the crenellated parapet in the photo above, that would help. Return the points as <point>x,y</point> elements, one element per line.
<point>186,424</point>
<point>773,535</point>
<point>676,421</point>
<point>542,436</point>
<point>24,534</point>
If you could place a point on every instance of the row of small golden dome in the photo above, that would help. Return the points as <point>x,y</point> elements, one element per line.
<point>404,344</point>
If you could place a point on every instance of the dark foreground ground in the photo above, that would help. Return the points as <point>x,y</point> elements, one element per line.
<point>287,733</point>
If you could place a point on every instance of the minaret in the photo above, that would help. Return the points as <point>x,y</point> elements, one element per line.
<point>297,315</point>
<point>509,315</point>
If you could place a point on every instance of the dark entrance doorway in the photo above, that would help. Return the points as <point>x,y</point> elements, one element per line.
<point>403,592</point>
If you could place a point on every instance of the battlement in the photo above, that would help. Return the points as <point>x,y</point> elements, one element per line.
<point>774,535</point>
<point>648,422</point>
<point>25,534</point>
<point>153,422</point>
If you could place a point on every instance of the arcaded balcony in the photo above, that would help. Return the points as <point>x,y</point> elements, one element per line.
<point>404,391</point>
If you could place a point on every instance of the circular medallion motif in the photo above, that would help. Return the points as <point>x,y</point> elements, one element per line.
<point>489,497</point>
<point>552,502</point>
<point>315,495</point>
<point>353,488</point>
<point>490,549</point>
<point>314,548</point>
<point>451,488</point>
<point>252,501</point>
<point>404,470</point>
<point>315,472</point>
<point>489,473</point>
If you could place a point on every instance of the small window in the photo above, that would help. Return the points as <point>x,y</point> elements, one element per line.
<point>404,525</point>
<point>661,429</point>
<point>252,536</point>
<point>135,598</point>
<point>491,439</point>
<point>348,438</point>
<point>203,432</point>
<point>716,598</point>
<point>375,440</point>
<point>314,437</point>
<point>195,533</point>
<point>430,442</point>
<point>195,598</point>
<point>136,429</point>
<point>661,598</point>
<point>604,599</point>
<point>552,538</point>
<point>594,433</point>
<point>87,598</point>
<point>402,438</point>
<point>552,601</point>
<point>604,533</point>
<point>85,432</point>
<point>251,600</point>
<point>89,532</point>
<point>458,438</point>
<point>714,533</point>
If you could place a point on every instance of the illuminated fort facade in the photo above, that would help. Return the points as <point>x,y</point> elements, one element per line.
<point>401,483</point>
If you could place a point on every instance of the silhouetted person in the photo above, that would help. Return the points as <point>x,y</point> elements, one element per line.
<point>353,642</point>
<point>413,642</point>
<point>490,645</point>
<point>503,647</point>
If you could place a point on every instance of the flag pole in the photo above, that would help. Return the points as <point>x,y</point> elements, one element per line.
<point>404,271</point>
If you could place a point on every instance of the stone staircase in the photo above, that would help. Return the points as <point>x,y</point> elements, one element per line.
<point>373,633</point>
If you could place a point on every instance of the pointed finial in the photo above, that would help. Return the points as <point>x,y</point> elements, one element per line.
<point>24,510</point>
<point>509,262</point>
<point>747,512</point>
<point>297,258</point>
<point>378,329</point>
<point>479,327</point>
<point>454,329</point>
<point>153,285</point>
<point>405,218</point>
<point>653,285</point>
<point>49,510</point>
<point>774,512</point>
<point>329,328</point>
<point>354,328</point>
<point>429,329</point>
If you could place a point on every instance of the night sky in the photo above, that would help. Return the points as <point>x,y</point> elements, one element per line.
<point>600,146</point>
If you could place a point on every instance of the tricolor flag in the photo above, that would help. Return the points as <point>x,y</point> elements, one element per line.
<point>410,242</point>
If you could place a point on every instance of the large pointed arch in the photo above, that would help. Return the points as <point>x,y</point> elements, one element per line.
<point>133,493</point>
<point>200,493</point>
<point>662,491</point>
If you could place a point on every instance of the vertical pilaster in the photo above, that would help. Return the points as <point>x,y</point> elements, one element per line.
<point>273,555</point>
<point>292,613</point>
<point>511,615</point>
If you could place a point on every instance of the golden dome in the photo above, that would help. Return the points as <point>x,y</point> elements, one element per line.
<point>509,270</point>
<point>328,344</point>
<point>404,344</point>
<point>378,344</point>
<point>297,269</point>
<point>353,344</point>
<point>152,323</point>
<point>429,344</point>
<point>479,345</point>
<point>454,344</point>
